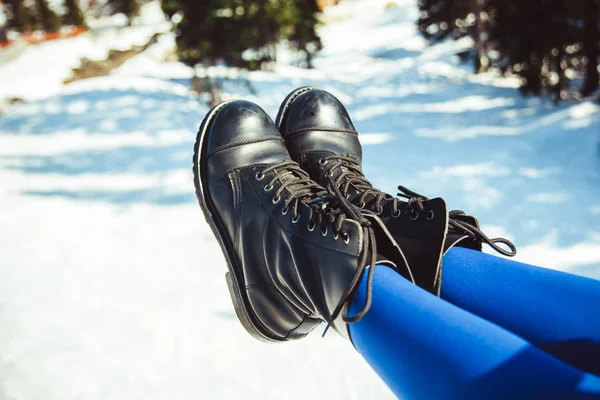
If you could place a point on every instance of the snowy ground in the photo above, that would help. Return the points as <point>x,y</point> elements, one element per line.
<point>111,284</point>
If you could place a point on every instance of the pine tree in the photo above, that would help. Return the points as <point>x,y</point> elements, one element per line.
<point>439,19</point>
<point>516,38</point>
<point>591,46</point>
<point>197,33</point>
<point>557,37</point>
<point>226,29</point>
<point>47,18</point>
<point>304,36</point>
<point>534,51</point>
<point>18,18</point>
<point>74,16</point>
<point>130,8</point>
<point>548,44</point>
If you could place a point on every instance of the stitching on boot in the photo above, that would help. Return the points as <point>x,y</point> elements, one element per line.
<point>316,128</point>
<point>316,153</point>
<point>319,152</point>
<point>237,196</point>
<point>241,142</point>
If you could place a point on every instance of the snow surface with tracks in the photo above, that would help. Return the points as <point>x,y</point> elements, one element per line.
<point>111,283</point>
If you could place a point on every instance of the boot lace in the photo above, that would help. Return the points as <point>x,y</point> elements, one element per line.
<point>351,174</point>
<point>325,210</point>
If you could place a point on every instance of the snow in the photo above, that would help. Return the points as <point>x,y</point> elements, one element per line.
<point>112,284</point>
<point>40,71</point>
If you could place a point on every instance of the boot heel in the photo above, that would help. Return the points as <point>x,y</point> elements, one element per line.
<point>240,310</point>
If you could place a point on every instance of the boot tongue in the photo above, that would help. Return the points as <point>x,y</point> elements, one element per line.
<point>388,251</point>
<point>353,192</point>
<point>323,141</point>
<point>321,169</point>
<point>298,186</point>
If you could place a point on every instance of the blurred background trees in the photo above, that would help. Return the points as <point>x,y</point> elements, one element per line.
<point>74,15</point>
<point>242,33</point>
<point>303,35</point>
<point>130,8</point>
<point>589,45</point>
<point>18,18</point>
<point>553,46</point>
<point>25,16</point>
<point>46,18</point>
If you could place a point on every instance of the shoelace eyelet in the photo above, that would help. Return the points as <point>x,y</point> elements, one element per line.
<point>324,233</point>
<point>296,219</point>
<point>346,238</point>
<point>378,210</point>
<point>275,200</point>
<point>268,188</point>
<point>285,210</point>
<point>311,226</point>
<point>259,176</point>
<point>414,215</point>
<point>323,161</point>
<point>396,214</point>
<point>430,215</point>
<point>336,236</point>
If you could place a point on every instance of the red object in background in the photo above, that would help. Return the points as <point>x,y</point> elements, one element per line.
<point>39,37</point>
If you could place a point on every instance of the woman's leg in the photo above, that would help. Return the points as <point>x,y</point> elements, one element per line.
<point>426,348</point>
<point>556,311</point>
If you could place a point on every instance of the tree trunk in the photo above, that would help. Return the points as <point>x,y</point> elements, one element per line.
<point>48,19</point>
<point>74,16</point>
<point>18,20</point>
<point>561,84</point>
<point>480,38</point>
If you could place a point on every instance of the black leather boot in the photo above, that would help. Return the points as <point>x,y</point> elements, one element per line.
<point>295,254</point>
<point>320,136</point>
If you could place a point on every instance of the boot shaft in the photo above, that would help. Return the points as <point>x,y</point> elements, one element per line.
<point>321,137</point>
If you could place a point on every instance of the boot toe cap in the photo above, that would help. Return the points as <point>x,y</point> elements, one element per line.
<point>316,109</point>
<point>239,122</point>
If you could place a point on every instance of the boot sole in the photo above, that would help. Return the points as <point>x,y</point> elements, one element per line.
<point>287,103</point>
<point>234,276</point>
